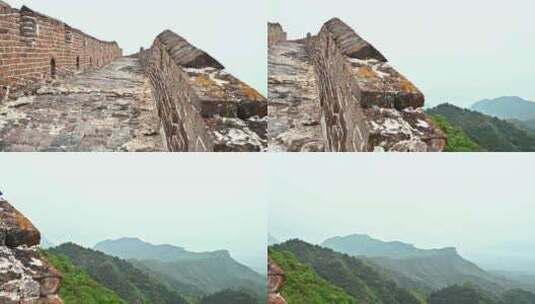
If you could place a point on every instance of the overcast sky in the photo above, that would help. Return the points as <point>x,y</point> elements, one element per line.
<point>232,31</point>
<point>194,201</point>
<point>456,51</point>
<point>480,203</point>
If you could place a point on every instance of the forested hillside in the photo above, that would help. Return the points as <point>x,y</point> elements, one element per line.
<point>490,133</point>
<point>303,285</point>
<point>130,283</point>
<point>357,278</point>
<point>77,286</point>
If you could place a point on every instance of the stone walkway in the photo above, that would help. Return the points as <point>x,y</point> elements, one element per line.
<point>110,109</point>
<point>294,113</point>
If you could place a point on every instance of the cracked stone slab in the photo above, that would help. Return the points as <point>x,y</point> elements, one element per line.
<point>294,112</point>
<point>106,110</point>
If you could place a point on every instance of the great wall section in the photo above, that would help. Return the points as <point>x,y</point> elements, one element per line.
<point>202,107</point>
<point>335,92</point>
<point>25,275</point>
<point>64,90</point>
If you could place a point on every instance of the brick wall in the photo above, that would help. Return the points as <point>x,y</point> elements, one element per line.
<point>343,120</point>
<point>182,127</point>
<point>35,48</point>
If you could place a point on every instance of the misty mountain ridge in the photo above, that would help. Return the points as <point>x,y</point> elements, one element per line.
<point>411,267</point>
<point>507,107</point>
<point>364,245</point>
<point>190,273</point>
<point>135,248</point>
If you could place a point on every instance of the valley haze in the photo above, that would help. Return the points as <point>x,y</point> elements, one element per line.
<point>430,201</point>
<point>189,202</point>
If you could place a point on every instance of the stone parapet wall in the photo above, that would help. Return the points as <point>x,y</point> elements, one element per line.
<point>200,106</point>
<point>365,104</point>
<point>342,117</point>
<point>181,124</point>
<point>36,48</point>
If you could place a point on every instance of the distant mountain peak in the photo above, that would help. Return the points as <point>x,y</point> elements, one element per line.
<point>365,245</point>
<point>507,107</point>
<point>137,241</point>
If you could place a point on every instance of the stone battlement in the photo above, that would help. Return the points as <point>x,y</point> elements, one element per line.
<point>202,107</point>
<point>36,48</point>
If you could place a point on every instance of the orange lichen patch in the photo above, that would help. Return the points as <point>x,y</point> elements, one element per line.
<point>23,222</point>
<point>250,93</point>
<point>207,86</point>
<point>407,86</point>
<point>203,80</point>
<point>366,72</point>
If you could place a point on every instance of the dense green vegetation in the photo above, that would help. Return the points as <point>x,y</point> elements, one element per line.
<point>130,283</point>
<point>490,133</point>
<point>458,294</point>
<point>78,287</point>
<point>518,296</point>
<point>303,285</point>
<point>355,277</point>
<point>458,141</point>
<point>230,296</point>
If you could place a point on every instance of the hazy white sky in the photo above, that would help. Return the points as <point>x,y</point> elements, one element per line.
<point>480,203</point>
<point>198,202</point>
<point>233,31</point>
<point>456,51</point>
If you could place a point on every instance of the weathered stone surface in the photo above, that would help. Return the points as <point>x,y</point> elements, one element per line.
<point>408,130</point>
<point>363,103</point>
<point>15,229</point>
<point>186,55</point>
<point>110,109</point>
<point>294,111</point>
<point>275,283</point>
<point>201,107</point>
<point>351,44</point>
<point>25,276</point>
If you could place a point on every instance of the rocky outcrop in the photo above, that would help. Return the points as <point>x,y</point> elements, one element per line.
<point>275,282</point>
<point>25,276</point>
<point>360,101</point>
<point>201,107</point>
